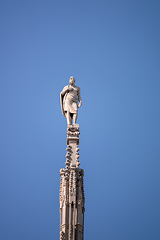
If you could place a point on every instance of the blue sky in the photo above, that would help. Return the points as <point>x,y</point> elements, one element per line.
<point>112,48</point>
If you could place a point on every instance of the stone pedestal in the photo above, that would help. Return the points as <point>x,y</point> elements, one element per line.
<point>72,190</point>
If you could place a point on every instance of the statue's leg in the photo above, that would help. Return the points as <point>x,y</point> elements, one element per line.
<point>75,115</point>
<point>69,119</point>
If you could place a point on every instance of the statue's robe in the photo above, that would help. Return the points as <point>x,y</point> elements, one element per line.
<point>70,99</point>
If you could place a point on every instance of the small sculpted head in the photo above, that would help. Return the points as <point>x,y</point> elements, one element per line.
<point>72,81</point>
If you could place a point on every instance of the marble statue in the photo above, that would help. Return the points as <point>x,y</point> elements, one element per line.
<point>70,101</point>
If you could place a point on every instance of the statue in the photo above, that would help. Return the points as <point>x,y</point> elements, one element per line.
<point>70,96</point>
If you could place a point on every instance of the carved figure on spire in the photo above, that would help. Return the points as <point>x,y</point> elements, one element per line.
<point>70,98</point>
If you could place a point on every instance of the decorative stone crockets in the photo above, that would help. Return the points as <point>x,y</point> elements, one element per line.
<point>71,190</point>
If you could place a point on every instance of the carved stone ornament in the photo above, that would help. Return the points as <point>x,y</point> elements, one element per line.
<point>71,196</point>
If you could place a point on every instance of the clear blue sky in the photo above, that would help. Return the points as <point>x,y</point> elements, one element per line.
<point>112,48</point>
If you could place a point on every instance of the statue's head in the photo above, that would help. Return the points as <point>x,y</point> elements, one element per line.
<point>72,81</point>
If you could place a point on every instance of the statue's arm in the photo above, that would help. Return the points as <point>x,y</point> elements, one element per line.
<point>65,89</point>
<point>79,97</point>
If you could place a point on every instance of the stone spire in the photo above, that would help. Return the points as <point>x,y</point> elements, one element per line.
<point>72,190</point>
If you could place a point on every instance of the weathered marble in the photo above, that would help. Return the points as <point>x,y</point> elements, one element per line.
<point>72,190</point>
<point>69,97</point>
